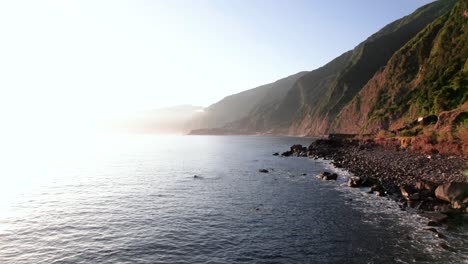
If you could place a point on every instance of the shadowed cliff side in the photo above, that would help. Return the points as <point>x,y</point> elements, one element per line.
<point>427,76</point>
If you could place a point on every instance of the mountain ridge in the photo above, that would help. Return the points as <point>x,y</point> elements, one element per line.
<point>414,68</point>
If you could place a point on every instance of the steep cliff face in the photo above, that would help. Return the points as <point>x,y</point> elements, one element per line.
<point>276,118</point>
<point>237,106</point>
<point>427,76</point>
<point>413,67</point>
<point>319,96</point>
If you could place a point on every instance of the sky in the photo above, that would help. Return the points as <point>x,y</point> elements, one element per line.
<point>63,63</point>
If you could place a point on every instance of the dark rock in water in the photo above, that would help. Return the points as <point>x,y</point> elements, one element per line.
<point>443,209</point>
<point>413,203</point>
<point>304,174</point>
<point>437,234</point>
<point>321,175</point>
<point>354,181</point>
<point>327,176</point>
<point>445,246</point>
<point>197,177</point>
<point>337,164</point>
<point>452,191</point>
<point>410,193</point>
<point>333,177</point>
<point>263,170</point>
<point>406,191</point>
<point>380,193</point>
<point>377,188</point>
<point>435,217</point>
<point>433,230</point>
<point>276,154</point>
<point>434,223</point>
<point>296,150</point>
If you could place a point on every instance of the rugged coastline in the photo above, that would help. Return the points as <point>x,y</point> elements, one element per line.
<point>433,185</point>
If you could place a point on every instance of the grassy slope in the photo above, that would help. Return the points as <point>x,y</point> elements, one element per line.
<point>426,76</point>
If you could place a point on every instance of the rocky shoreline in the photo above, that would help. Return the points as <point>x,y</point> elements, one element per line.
<point>433,185</point>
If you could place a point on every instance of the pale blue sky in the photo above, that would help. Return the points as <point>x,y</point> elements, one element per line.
<point>92,59</point>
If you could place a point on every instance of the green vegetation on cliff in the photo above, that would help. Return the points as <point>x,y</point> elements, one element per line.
<point>415,66</point>
<point>428,75</point>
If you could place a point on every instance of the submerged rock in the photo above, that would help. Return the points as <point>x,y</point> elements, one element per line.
<point>434,223</point>
<point>433,230</point>
<point>327,176</point>
<point>445,246</point>
<point>435,218</point>
<point>263,170</point>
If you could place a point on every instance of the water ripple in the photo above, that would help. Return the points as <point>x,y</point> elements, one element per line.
<point>142,205</point>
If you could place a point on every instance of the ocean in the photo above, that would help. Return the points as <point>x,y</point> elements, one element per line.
<point>134,199</point>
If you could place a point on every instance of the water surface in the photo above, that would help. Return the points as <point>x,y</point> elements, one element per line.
<point>135,200</point>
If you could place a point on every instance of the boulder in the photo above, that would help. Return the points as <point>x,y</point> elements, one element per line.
<point>297,150</point>
<point>276,154</point>
<point>443,208</point>
<point>425,186</point>
<point>298,147</point>
<point>377,188</point>
<point>263,171</point>
<point>380,193</point>
<point>431,229</point>
<point>327,176</point>
<point>456,204</point>
<point>333,177</point>
<point>435,218</point>
<point>409,193</point>
<point>354,181</point>
<point>452,191</point>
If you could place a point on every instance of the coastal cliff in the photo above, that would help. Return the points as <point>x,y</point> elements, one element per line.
<point>415,67</point>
